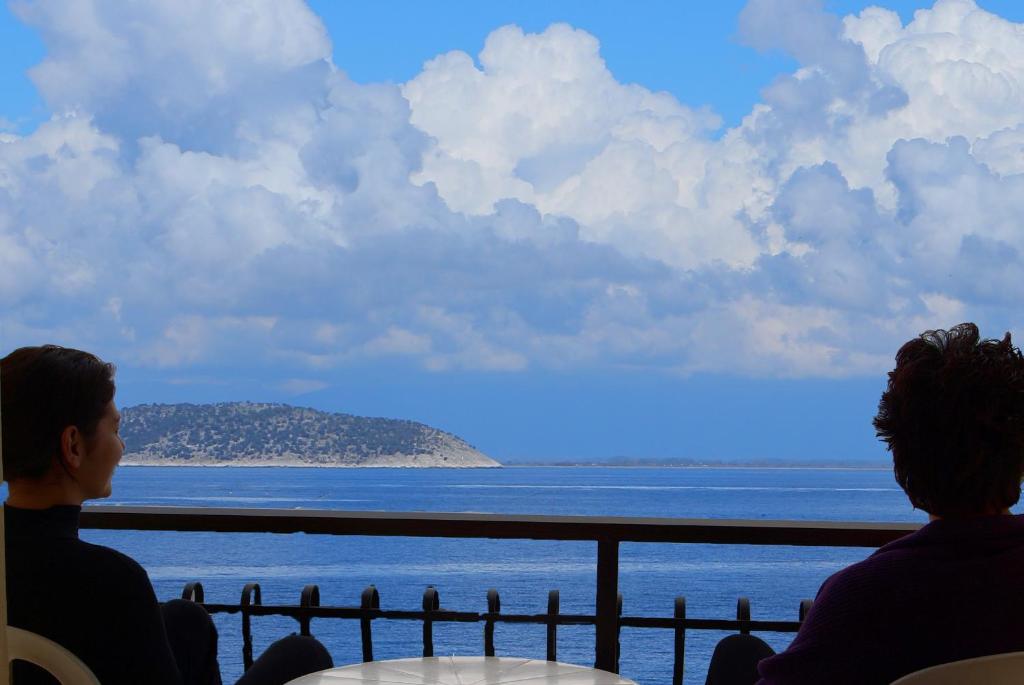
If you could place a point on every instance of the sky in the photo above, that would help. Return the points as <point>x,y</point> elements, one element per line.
<point>561,230</point>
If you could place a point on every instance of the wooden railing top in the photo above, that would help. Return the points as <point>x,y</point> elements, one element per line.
<point>506,526</point>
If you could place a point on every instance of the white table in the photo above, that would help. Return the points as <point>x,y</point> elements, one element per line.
<point>462,670</point>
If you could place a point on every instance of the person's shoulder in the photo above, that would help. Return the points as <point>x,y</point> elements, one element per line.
<point>892,567</point>
<point>973,538</point>
<point>859,585</point>
<point>114,566</point>
<point>854,579</point>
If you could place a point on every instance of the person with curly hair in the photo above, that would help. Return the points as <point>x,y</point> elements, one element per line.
<point>952,415</point>
<point>953,418</point>
<point>60,446</point>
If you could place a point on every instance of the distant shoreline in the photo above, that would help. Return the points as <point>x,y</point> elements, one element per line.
<point>302,465</point>
<point>724,467</point>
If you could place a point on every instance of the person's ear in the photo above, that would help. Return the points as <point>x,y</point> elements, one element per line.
<point>72,447</point>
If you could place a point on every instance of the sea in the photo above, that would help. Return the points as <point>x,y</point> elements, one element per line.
<point>710,577</point>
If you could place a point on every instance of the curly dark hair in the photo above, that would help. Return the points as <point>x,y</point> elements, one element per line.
<point>43,390</point>
<point>953,418</point>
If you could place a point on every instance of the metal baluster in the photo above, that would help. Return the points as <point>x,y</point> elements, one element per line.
<point>552,626</point>
<point>493,609</point>
<point>743,614</point>
<point>251,595</point>
<point>193,592</point>
<point>679,642</point>
<point>805,606</point>
<point>369,601</point>
<point>431,603</point>
<point>310,598</point>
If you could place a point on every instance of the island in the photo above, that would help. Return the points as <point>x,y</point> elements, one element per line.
<point>260,434</point>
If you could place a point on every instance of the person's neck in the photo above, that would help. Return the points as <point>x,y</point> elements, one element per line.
<point>1004,512</point>
<point>49,491</point>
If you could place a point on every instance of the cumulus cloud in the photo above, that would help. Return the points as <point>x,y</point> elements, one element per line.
<point>213,192</point>
<point>195,73</point>
<point>302,386</point>
<point>543,120</point>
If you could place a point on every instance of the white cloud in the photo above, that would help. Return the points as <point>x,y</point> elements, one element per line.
<point>302,386</point>
<point>193,72</point>
<point>213,190</point>
<point>398,341</point>
<point>542,120</point>
<point>194,338</point>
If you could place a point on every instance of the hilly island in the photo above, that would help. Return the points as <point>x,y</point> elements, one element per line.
<point>255,434</point>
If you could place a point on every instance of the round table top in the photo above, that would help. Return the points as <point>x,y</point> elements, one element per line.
<point>462,670</point>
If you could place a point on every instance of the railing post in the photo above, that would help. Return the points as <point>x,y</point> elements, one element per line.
<point>618,630</point>
<point>607,624</point>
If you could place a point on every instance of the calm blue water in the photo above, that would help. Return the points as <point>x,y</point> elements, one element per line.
<point>711,577</point>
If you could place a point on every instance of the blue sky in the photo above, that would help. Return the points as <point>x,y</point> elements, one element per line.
<point>688,49</point>
<point>565,230</point>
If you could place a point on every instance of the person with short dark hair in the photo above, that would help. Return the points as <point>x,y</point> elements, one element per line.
<point>60,446</point>
<point>953,418</point>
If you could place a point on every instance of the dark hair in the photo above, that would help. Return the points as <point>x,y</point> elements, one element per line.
<point>43,390</point>
<point>953,417</point>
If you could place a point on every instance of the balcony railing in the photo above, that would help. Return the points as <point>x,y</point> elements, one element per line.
<point>606,532</point>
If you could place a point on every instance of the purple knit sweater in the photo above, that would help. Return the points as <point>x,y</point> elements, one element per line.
<point>952,590</point>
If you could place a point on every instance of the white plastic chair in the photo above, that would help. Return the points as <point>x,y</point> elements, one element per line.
<point>997,669</point>
<point>16,643</point>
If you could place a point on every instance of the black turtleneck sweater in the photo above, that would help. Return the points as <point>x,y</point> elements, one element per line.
<point>94,601</point>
